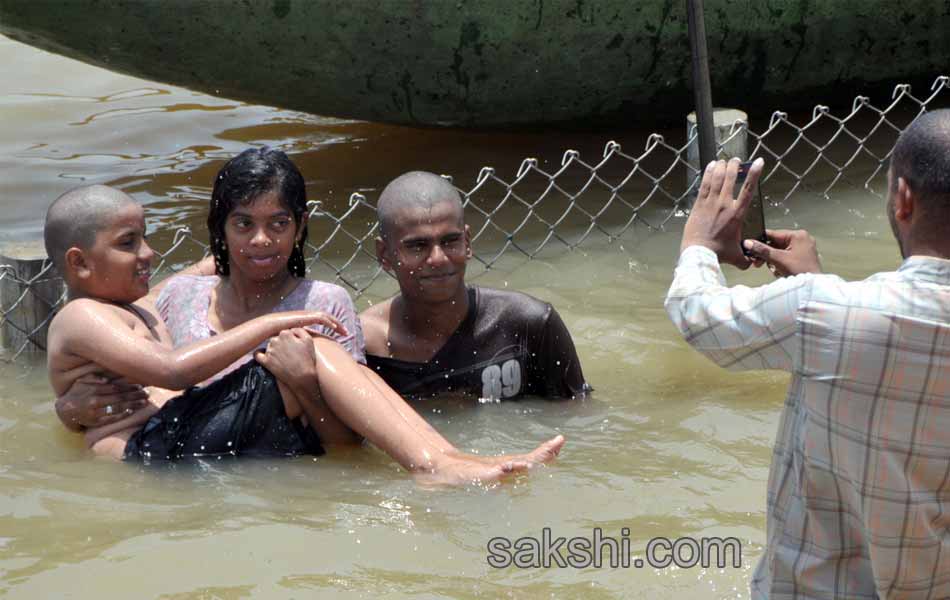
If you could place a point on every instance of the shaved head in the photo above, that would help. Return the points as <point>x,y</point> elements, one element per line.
<point>416,190</point>
<point>76,217</point>
<point>922,157</point>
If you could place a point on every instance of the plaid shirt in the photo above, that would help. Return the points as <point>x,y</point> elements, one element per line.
<point>859,487</point>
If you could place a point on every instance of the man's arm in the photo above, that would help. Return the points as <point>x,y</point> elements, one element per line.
<point>738,327</point>
<point>90,331</point>
<point>560,368</point>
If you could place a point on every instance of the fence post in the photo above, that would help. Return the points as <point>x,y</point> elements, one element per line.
<point>734,142</point>
<point>702,88</point>
<point>28,292</point>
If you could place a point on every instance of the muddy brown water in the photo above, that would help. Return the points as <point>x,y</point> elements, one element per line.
<point>668,446</point>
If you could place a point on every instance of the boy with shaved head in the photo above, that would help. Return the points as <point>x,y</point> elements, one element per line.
<point>96,237</point>
<point>438,334</point>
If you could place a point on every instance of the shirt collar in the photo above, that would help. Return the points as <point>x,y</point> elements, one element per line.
<point>928,268</point>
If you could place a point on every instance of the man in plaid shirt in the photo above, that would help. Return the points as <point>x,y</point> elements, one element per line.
<point>859,486</point>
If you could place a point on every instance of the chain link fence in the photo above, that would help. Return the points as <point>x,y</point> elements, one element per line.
<point>545,210</point>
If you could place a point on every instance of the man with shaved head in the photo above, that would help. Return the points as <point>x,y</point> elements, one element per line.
<point>439,335</point>
<point>858,502</point>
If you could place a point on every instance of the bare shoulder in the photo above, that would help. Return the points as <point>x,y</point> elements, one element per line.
<point>323,295</point>
<point>78,316</point>
<point>375,322</point>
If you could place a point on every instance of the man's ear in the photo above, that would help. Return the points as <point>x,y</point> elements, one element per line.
<point>905,201</point>
<point>382,256</point>
<point>77,264</point>
<point>468,242</point>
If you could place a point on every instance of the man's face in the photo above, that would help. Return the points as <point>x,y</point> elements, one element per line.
<point>426,250</point>
<point>119,262</point>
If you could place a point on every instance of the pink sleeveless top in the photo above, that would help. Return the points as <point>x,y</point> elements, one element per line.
<point>186,299</point>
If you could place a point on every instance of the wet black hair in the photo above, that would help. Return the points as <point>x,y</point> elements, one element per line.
<point>243,179</point>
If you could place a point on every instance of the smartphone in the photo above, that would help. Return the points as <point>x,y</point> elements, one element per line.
<point>753,224</point>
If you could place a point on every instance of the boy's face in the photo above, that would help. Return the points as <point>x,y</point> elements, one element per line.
<point>117,266</point>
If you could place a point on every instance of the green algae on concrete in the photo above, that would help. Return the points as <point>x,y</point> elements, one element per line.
<point>494,63</point>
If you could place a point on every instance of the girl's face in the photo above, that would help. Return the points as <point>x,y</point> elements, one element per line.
<point>261,237</point>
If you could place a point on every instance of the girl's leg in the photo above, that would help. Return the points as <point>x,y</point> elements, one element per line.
<point>362,401</point>
<point>315,414</point>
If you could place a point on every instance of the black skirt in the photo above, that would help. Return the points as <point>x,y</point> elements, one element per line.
<point>241,414</point>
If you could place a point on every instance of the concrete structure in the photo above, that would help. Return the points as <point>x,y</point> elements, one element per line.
<point>731,127</point>
<point>486,63</point>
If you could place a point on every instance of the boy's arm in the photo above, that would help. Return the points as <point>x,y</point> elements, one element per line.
<point>94,332</point>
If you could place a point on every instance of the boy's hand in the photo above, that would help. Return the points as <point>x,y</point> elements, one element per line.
<point>791,252</point>
<point>716,218</point>
<point>93,401</point>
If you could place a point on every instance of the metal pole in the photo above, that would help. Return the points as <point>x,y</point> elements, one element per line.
<point>701,86</point>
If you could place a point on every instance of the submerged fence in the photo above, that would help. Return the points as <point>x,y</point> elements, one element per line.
<point>541,209</point>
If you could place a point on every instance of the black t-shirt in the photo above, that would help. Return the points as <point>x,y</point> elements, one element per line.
<point>509,344</point>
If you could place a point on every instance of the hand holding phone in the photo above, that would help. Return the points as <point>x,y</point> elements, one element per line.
<point>715,219</point>
<point>790,252</point>
<point>753,223</point>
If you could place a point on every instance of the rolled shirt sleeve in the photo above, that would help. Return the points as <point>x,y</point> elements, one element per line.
<point>736,327</point>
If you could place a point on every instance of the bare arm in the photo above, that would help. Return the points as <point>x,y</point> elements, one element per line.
<point>291,358</point>
<point>100,336</point>
<point>157,398</point>
<point>95,400</point>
